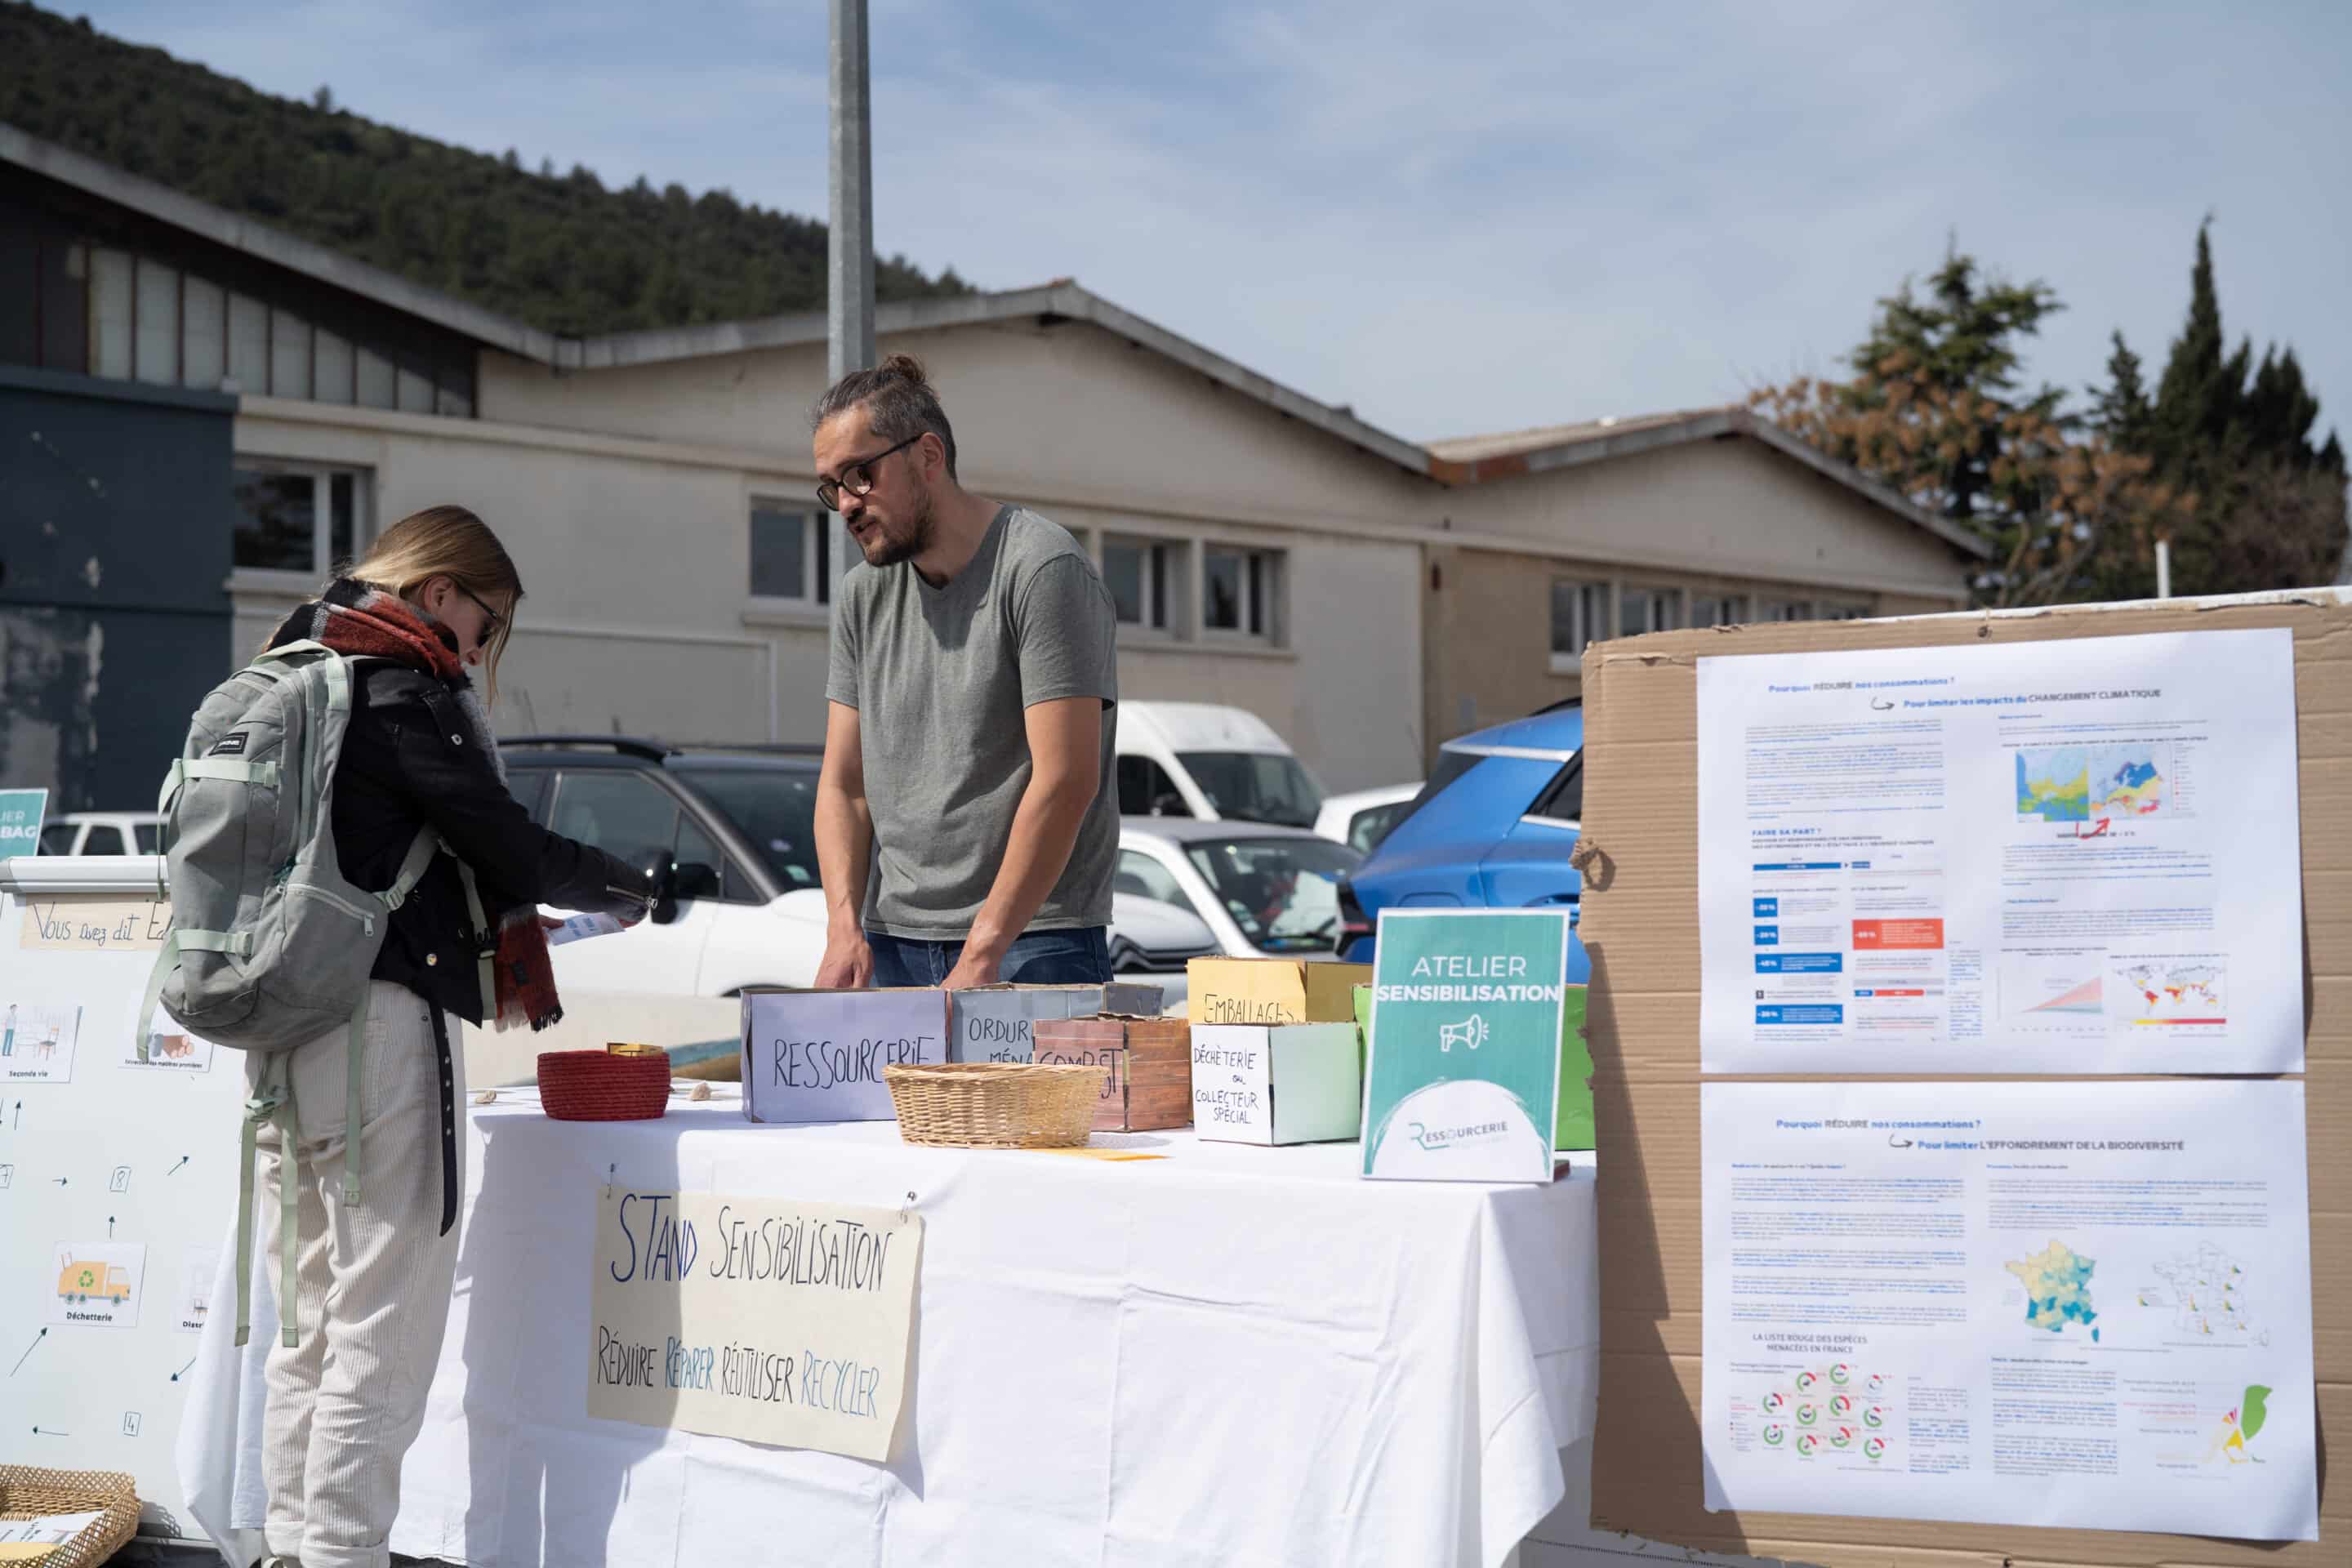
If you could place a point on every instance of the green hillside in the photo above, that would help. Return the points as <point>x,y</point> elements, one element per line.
<point>557,250</point>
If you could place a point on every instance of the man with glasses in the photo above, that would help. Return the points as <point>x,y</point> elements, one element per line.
<point>966,825</point>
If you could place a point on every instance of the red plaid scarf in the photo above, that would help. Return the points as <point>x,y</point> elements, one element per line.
<point>364,622</point>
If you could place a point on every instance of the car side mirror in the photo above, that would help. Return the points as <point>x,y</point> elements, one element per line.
<point>665,909</point>
<point>693,880</point>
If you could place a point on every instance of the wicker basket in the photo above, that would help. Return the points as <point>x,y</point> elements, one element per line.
<point>26,1493</point>
<point>995,1105</point>
<point>604,1086</point>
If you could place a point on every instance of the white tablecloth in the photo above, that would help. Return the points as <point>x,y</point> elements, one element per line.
<point>1228,1356</point>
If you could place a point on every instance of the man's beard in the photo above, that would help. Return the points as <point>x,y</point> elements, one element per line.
<point>920,530</point>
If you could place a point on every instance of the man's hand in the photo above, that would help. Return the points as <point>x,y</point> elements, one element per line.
<point>975,965</point>
<point>848,962</point>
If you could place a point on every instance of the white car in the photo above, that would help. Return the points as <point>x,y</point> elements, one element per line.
<point>740,826</point>
<point>103,833</point>
<point>1262,890</point>
<point>1361,818</point>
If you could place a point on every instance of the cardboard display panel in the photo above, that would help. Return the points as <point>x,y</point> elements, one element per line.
<point>1640,924</point>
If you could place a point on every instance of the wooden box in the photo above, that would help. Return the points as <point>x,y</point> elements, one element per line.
<point>1147,1080</point>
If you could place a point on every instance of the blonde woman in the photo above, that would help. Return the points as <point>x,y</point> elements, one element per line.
<point>436,597</point>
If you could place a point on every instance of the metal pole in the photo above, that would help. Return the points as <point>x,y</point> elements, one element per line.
<point>2164,568</point>
<point>849,256</point>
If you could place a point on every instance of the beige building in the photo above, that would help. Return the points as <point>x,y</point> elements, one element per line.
<point>1367,595</point>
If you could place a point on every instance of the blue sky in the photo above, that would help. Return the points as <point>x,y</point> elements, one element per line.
<point>1460,216</point>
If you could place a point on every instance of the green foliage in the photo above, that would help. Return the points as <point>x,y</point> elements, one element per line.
<point>2234,436</point>
<point>559,251</point>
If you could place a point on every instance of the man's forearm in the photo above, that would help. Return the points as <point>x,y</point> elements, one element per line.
<point>844,848</point>
<point>1044,830</point>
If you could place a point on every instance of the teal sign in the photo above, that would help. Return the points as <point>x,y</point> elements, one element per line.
<point>1462,1079</point>
<point>20,821</point>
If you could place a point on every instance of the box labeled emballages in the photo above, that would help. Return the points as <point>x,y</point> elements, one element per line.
<point>818,1055</point>
<point>992,1023</point>
<point>1147,1063</point>
<point>1273,990</point>
<point>1278,1083</point>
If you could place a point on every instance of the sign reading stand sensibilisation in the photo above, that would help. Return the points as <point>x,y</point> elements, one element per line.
<point>1463,1073</point>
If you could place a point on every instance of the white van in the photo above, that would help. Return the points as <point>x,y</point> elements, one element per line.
<point>1200,760</point>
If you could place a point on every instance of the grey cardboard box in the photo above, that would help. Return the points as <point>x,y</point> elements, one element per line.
<point>992,1023</point>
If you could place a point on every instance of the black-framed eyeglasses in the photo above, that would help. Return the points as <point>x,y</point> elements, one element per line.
<point>496,620</point>
<point>857,477</point>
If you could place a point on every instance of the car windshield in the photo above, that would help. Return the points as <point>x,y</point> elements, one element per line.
<point>775,808</point>
<point>1283,892</point>
<point>1256,786</point>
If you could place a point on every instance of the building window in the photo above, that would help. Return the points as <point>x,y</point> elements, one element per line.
<point>300,518</point>
<point>1717,609</point>
<point>111,313</point>
<point>1238,590</point>
<point>1825,612</point>
<point>1144,576</point>
<point>1579,615</point>
<point>1648,610</point>
<point>792,553</point>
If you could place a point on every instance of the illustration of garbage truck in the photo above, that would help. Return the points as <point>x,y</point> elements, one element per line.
<point>78,1282</point>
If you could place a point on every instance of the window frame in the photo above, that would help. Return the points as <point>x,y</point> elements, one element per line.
<point>1259,609</point>
<point>1165,572</point>
<point>817,528</point>
<point>1582,635</point>
<point>322,532</point>
<point>1669,603</point>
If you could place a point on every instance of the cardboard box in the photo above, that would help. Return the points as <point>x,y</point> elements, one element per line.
<point>1574,1128</point>
<point>1147,1063</point>
<point>1273,990</point>
<point>818,1055</point>
<point>1640,925</point>
<point>991,1023</point>
<point>1277,1083</point>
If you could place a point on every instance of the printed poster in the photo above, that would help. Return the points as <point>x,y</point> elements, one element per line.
<point>37,1040</point>
<point>97,1283</point>
<point>2077,1305</point>
<point>765,1319</point>
<point>1461,1078</point>
<point>167,1045</point>
<point>21,811</point>
<point>2080,856</point>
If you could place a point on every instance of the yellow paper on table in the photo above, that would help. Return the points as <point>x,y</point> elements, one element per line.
<point>1101,1153</point>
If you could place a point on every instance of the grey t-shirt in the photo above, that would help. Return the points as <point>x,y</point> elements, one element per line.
<point>940,678</point>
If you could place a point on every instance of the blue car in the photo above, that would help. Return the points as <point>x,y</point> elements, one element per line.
<point>1491,829</point>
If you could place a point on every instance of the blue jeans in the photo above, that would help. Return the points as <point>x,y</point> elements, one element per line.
<point>1080,957</point>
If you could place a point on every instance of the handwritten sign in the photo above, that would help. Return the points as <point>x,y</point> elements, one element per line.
<point>1273,990</point>
<point>991,1023</point>
<point>818,1055</point>
<point>1285,1083</point>
<point>95,922</point>
<point>765,1319</point>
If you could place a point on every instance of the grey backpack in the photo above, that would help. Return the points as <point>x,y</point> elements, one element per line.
<point>270,946</point>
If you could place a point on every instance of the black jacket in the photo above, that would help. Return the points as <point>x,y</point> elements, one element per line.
<point>411,758</point>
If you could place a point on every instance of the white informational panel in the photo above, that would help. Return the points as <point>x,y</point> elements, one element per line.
<point>2030,857</point>
<point>118,1178</point>
<point>2073,1305</point>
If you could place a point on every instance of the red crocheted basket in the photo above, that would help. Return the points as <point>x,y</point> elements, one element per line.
<point>600,1086</point>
